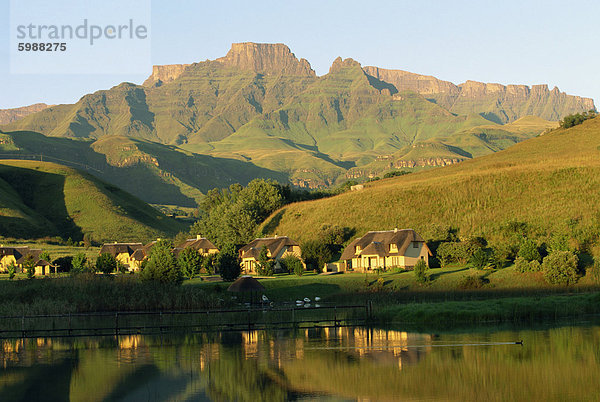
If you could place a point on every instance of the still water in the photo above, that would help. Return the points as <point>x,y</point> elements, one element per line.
<point>336,364</point>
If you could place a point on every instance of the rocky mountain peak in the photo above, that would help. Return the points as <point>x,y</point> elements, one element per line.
<point>163,74</point>
<point>266,58</point>
<point>338,64</point>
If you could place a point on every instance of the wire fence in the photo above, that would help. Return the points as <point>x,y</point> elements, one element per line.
<point>164,322</point>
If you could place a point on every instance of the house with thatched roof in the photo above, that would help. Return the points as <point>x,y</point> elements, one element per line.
<point>18,255</point>
<point>140,255</point>
<point>278,247</point>
<point>201,244</point>
<point>123,252</point>
<point>400,248</point>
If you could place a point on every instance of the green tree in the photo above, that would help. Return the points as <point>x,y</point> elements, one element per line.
<point>190,262</point>
<point>560,267</point>
<point>106,263</point>
<point>45,256</point>
<point>480,259</point>
<point>162,265</point>
<point>529,251</point>
<point>29,267</point>
<point>12,269</point>
<point>228,263</point>
<point>292,264</point>
<point>315,254</point>
<point>79,263</point>
<point>266,266</point>
<point>208,263</point>
<point>420,271</point>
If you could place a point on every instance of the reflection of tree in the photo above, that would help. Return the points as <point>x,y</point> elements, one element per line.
<point>233,378</point>
<point>42,382</point>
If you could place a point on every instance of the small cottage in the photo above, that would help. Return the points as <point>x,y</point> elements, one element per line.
<point>123,252</point>
<point>278,247</point>
<point>400,248</point>
<point>200,244</point>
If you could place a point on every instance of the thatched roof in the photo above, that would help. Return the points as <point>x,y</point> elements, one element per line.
<point>378,243</point>
<point>197,244</point>
<point>273,244</point>
<point>115,249</point>
<point>245,284</point>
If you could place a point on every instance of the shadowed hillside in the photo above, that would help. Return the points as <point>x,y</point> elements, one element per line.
<point>40,199</point>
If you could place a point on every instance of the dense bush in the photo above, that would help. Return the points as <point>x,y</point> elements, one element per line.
<point>560,267</point>
<point>594,272</point>
<point>577,118</point>
<point>522,265</point>
<point>528,251</point>
<point>227,263</point>
<point>460,252</point>
<point>190,262</point>
<point>79,262</point>
<point>315,254</point>
<point>480,259</point>
<point>292,264</point>
<point>420,271</point>
<point>106,263</point>
<point>162,265</point>
<point>472,282</point>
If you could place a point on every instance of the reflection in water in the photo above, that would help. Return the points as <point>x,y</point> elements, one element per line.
<point>321,363</point>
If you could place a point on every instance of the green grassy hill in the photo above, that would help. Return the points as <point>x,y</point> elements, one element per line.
<point>548,182</point>
<point>39,199</point>
<point>156,173</point>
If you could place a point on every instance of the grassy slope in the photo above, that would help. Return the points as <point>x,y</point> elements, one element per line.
<point>73,203</point>
<point>543,181</point>
<point>156,173</point>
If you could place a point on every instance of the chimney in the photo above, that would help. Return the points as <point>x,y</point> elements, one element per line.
<point>198,237</point>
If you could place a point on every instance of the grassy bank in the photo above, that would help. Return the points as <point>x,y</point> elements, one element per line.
<point>89,293</point>
<point>502,310</point>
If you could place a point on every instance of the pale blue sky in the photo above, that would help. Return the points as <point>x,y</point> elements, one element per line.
<point>510,42</point>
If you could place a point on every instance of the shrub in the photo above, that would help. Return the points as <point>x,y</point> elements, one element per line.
<point>162,265</point>
<point>208,263</point>
<point>472,282</point>
<point>292,264</point>
<point>529,251</point>
<point>522,265</point>
<point>315,254</point>
<point>461,252</point>
<point>29,267</point>
<point>78,264</point>
<point>106,263</point>
<point>190,262</point>
<point>227,263</point>
<point>480,259</point>
<point>497,259</point>
<point>420,271</point>
<point>560,268</point>
<point>11,271</point>
<point>45,256</point>
<point>266,266</point>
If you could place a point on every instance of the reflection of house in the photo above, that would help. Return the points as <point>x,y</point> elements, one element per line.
<point>123,252</point>
<point>278,247</point>
<point>385,249</point>
<point>200,244</point>
<point>17,255</point>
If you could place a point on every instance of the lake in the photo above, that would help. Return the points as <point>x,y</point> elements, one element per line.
<point>326,364</point>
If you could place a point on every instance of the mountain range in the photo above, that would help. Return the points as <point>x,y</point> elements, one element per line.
<point>260,111</point>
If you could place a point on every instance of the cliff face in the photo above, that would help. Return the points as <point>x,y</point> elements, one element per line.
<point>266,58</point>
<point>163,74</point>
<point>500,103</point>
<point>10,115</point>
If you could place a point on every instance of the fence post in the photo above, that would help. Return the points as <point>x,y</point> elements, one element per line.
<point>69,330</point>
<point>117,323</point>
<point>23,325</point>
<point>335,316</point>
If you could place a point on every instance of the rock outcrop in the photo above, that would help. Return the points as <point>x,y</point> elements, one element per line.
<point>500,103</point>
<point>266,58</point>
<point>10,115</point>
<point>163,74</point>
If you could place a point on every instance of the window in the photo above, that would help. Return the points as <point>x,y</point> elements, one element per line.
<point>415,244</point>
<point>393,248</point>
